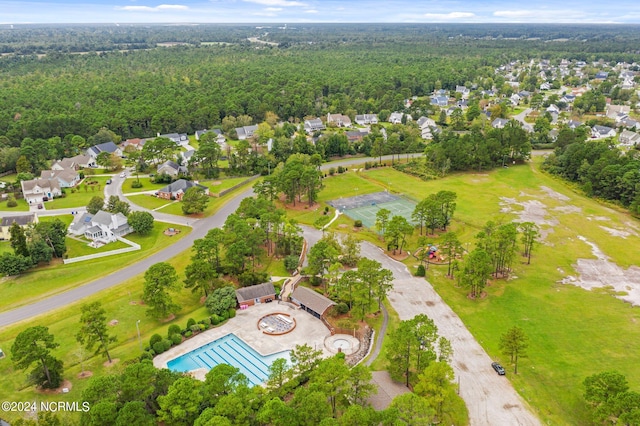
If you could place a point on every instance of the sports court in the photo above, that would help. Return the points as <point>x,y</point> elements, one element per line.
<point>365,207</point>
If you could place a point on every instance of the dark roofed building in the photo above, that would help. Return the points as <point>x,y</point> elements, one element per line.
<point>261,293</point>
<point>23,220</point>
<point>178,188</point>
<point>312,302</point>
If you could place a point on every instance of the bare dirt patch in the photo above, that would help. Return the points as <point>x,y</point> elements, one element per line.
<point>553,194</point>
<point>532,211</point>
<point>568,209</point>
<point>85,374</point>
<point>601,273</point>
<point>66,384</point>
<point>114,361</point>
<point>618,232</point>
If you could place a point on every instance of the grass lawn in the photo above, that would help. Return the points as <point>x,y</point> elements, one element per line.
<point>569,329</point>
<point>47,280</point>
<point>148,201</point>
<point>217,186</point>
<point>147,185</point>
<point>213,205</point>
<point>5,247</point>
<point>81,197</point>
<point>121,304</point>
<point>21,207</point>
<point>9,178</point>
<point>77,248</point>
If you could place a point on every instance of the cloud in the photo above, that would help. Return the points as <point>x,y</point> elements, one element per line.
<point>283,3</point>
<point>158,8</point>
<point>273,9</point>
<point>513,13</point>
<point>447,16</point>
<point>311,11</point>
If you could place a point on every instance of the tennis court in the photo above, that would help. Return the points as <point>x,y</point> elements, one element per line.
<point>365,207</point>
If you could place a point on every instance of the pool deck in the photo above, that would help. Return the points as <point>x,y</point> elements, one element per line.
<point>309,330</point>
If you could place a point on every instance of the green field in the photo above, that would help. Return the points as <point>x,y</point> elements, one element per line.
<point>81,197</point>
<point>147,185</point>
<point>570,329</point>
<point>45,281</point>
<point>21,207</point>
<point>148,201</point>
<point>217,186</point>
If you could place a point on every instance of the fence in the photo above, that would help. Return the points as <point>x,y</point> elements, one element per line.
<point>228,190</point>
<point>133,247</point>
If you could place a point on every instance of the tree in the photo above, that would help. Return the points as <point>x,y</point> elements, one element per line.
<point>279,373</point>
<point>530,234</point>
<point>181,405</point>
<point>201,276</point>
<point>208,155</point>
<point>435,384</point>
<point>34,345</point>
<point>412,409</point>
<point>115,205</point>
<point>134,413</point>
<point>358,387</point>
<point>323,254</point>
<point>514,344</point>
<point>141,222</point>
<point>221,300</point>
<point>304,359</point>
<point>382,219</point>
<point>14,264</point>
<point>330,378</point>
<point>379,280</point>
<point>451,247</point>
<point>95,204</point>
<point>104,159</point>
<point>447,201</point>
<point>194,200</point>
<point>18,240</point>
<point>396,233</point>
<point>158,281</point>
<point>476,271</point>
<point>54,233</point>
<point>94,330</point>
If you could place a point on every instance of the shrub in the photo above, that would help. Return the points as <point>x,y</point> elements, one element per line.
<point>342,308</point>
<point>195,328</point>
<point>11,201</point>
<point>155,339</point>
<point>332,171</point>
<point>158,347</point>
<point>136,184</point>
<point>249,278</point>
<point>190,322</point>
<point>315,281</point>
<point>215,320</point>
<point>146,355</point>
<point>176,339</point>
<point>232,313</point>
<point>206,321</point>
<point>291,262</point>
<point>421,272</point>
<point>173,329</point>
<point>357,223</point>
<point>166,343</point>
<point>224,316</point>
<point>188,334</point>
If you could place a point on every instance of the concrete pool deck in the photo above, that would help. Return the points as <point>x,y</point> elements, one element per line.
<point>309,330</point>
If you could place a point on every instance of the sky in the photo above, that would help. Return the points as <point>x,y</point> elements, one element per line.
<point>300,11</point>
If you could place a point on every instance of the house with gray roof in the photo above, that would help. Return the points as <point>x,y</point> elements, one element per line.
<point>600,132</point>
<point>178,138</point>
<point>312,302</point>
<point>366,119</point>
<point>499,123</point>
<point>441,101</point>
<point>339,120</point>
<point>256,294</point>
<point>629,138</point>
<point>573,124</point>
<point>176,190</point>
<point>246,132</point>
<point>66,178</point>
<point>22,220</point>
<point>313,125</point>
<point>172,169</point>
<point>38,190</point>
<point>103,227</point>
<point>109,147</point>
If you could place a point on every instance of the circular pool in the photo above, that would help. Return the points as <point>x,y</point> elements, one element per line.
<point>344,343</point>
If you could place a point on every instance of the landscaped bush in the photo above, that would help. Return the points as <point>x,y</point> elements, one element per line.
<point>173,329</point>
<point>155,339</point>
<point>232,313</point>
<point>158,347</point>
<point>166,343</point>
<point>332,171</point>
<point>215,320</point>
<point>224,316</point>
<point>195,328</point>
<point>136,184</point>
<point>11,201</point>
<point>176,339</point>
<point>188,334</point>
<point>146,355</point>
<point>357,223</point>
<point>421,272</point>
<point>342,308</point>
<point>206,322</point>
<point>190,322</point>
<point>315,281</point>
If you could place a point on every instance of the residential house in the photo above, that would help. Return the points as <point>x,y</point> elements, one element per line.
<point>600,132</point>
<point>339,119</point>
<point>246,132</point>
<point>545,86</point>
<point>354,136</point>
<point>256,294</point>
<point>137,143</point>
<point>574,124</point>
<point>395,117</point>
<point>64,164</point>
<point>425,122</point>
<point>524,94</point>
<point>463,90</point>
<point>311,301</point>
<point>84,162</point>
<point>38,190</point>
<point>187,155</point>
<point>499,123</point>
<point>441,101</point>
<point>103,227</point>
<point>366,119</point>
<point>178,138</point>
<point>23,220</point>
<point>177,189</point>
<point>629,138</point>
<point>553,134</point>
<point>568,99</point>
<point>172,169</point>
<point>109,147</point>
<point>67,178</point>
<point>313,125</point>
<point>601,75</point>
<point>553,108</point>
<point>630,123</point>
<point>617,112</point>
<point>515,99</point>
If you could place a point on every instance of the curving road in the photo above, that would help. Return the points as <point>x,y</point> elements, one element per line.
<point>200,228</point>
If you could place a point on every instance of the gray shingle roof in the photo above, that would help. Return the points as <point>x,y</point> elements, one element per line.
<point>255,292</point>
<point>180,185</point>
<point>21,220</point>
<point>312,300</point>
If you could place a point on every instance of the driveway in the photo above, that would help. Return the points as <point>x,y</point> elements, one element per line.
<point>521,118</point>
<point>491,399</point>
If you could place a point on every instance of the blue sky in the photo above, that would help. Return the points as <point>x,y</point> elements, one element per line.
<point>296,11</point>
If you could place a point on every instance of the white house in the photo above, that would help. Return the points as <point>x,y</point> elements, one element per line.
<point>499,123</point>
<point>104,227</point>
<point>109,147</point>
<point>246,132</point>
<point>67,178</point>
<point>339,119</point>
<point>313,125</point>
<point>629,138</point>
<point>365,119</point>
<point>37,190</point>
<point>600,132</point>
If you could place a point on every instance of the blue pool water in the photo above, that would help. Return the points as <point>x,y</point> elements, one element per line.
<point>229,349</point>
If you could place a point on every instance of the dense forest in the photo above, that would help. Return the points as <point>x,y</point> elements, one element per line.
<point>217,73</point>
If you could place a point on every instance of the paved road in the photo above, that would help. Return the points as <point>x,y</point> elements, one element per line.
<point>520,117</point>
<point>491,399</point>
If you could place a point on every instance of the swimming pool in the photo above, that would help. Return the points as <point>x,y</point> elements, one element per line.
<point>232,350</point>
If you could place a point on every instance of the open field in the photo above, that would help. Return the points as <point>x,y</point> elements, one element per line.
<point>45,281</point>
<point>21,207</point>
<point>570,329</point>
<point>81,197</point>
<point>147,185</point>
<point>217,186</point>
<point>148,201</point>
